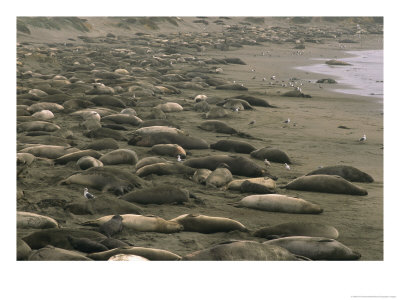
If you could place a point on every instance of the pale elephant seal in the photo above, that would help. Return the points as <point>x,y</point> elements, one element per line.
<point>169,149</point>
<point>158,122</point>
<point>58,237</point>
<point>141,223</point>
<point>123,119</point>
<point>279,203</point>
<point>347,172</point>
<point>236,184</point>
<point>149,253</point>
<point>37,126</point>
<point>53,107</point>
<point>242,250</point>
<point>233,146</point>
<point>75,156</point>
<point>51,253</point>
<point>165,168</point>
<point>48,151</point>
<point>43,115</point>
<point>112,243</point>
<point>238,165</point>
<point>129,111</point>
<point>25,159</point>
<point>219,177</point>
<point>216,112</point>
<point>297,228</point>
<point>127,257</point>
<point>87,162</point>
<point>35,221</point>
<point>86,245</point>
<point>201,175</point>
<point>325,184</point>
<point>149,161</point>
<point>207,224</point>
<point>112,226</point>
<point>170,107</point>
<point>23,250</point>
<point>315,248</point>
<point>162,194</point>
<point>274,155</point>
<point>119,156</point>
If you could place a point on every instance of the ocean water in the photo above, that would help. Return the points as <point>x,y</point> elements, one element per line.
<point>363,77</point>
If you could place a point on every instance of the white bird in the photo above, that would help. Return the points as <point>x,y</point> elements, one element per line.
<point>236,109</point>
<point>287,121</point>
<point>287,166</point>
<point>273,77</point>
<point>87,194</point>
<point>364,138</point>
<point>267,163</point>
<point>252,122</point>
<point>179,158</point>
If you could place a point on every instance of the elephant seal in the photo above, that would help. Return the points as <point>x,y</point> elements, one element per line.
<point>44,139</point>
<point>232,87</point>
<point>219,177</point>
<point>231,103</point>
<point>107,100</point>
<point>201,175</point>
<point>112,226</point>
<point>325,184</point>
<point>169,149</point>
<point>119,156</point>
<point>37,126</point>
<point>127,257</point>
<point>34,221</point>
<point>279,203</point>
<point>236,184</point>
<point>217,126</point>
<point>233,146</point>
<point>158,122</point>
<point>51,253</point>
<point>297,228</point>
<point>123,119</point>
<point>162,194</point>
<point>315,248</point>
<point>347,172</point>
<point>255,188</point>
<point>112,243</point>
<point>103,132</point>
<point>75,156</point>
<point>58,237</point>
<point>23,250</point>
<point>149,161</point>
<point>128,111</point>
<point>53,107</point>
<point>216,112</point>
<point>274,155</point>
<point>158,129</point>
<point>242,250</point>
<point>43,115</point>
<point>170,107</point>
<point>255,101</point>
<point>48,151</point>
<point>149,253</point>
<point>25,159</point>
<point>102,144</point>
<point>141,223</point>
<point>207,224</point>
<point>238,165</point>
<point>86,245</point>
<point>165,168</point>
<point>87,162</point>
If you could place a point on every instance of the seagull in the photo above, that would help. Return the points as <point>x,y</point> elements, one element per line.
<point>273,77</point>
<point>267,163</point>
<point>287,166</point>
<point>179,158</point>
<point>252,122</point>
<point>236,109</point>
<point>364,138</point>
<point>287,121</point>
<point>87,194</point>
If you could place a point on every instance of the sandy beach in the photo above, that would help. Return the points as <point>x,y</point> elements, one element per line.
<point>315,140</point>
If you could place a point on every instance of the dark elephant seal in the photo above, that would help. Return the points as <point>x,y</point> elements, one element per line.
<point>34,221</point>
<point>48,151</point>
<point>58,237</point>
<point>297,228</point>
<point>233,146</point>
<point>149,253</point>
<point>242,250</point>
<point>141,223</point>
<point>236,185</point>
<point>231,103</point>
<point>75,156</point>
<point>37,126</point>
<point>105,133</point>
<point>169,149</point>
<point>315,248</point>
<point>149,161</point>
<point>165,168</point>
<point>279,203</point>
<point>102,144</point>
<point>87,162</point>
<point>86,245</point>
<point>232,87</point>
<point>162,194</point>
<point>51,253</point>
<point>112,227</point>
<point>23,250</point>
<point>217,126</point>
<point>274,155</point>
<point>325,184</point>
<point>216,112</point>
<point>107,100</point>
<point>207,224</point>
<point>238,165</point>
<point>112,243</point>
<point>119,156</point>
<point>256,188</point>
<point>347,172</point>
<point>123,119</point>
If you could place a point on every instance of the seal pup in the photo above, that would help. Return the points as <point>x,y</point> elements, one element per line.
<point>112,227</point>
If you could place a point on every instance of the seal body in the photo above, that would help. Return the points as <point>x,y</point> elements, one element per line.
<point>86,245</point>
<point>274,155</point>
<point>219,177</point>
<point>165,168</point>
<point>163,194</point>
<point>217,126</point>
<point>201,175</point>
<point>149,253</point>
<point>298,228</point>
<point>325,184</point>
<point>347,172</point>
<point>35,221</point>
<point>119,156</point>
<point>149,160</point>
<point>233,146</point>
<point>169,149</point>
<point>87,162</point>
<point>112,226</point>
<point>75,156</point>
<point>280,203</point>
<point>51,253</point>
